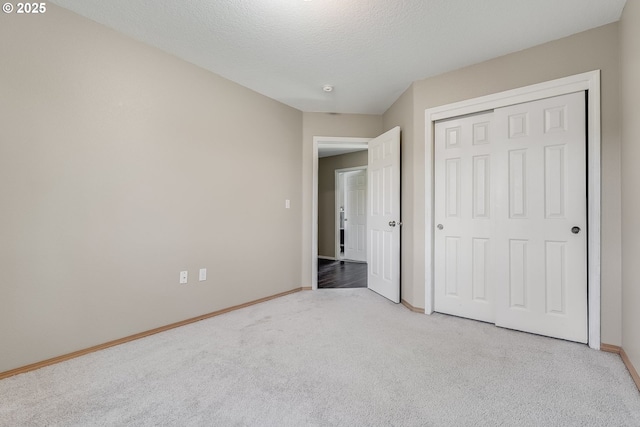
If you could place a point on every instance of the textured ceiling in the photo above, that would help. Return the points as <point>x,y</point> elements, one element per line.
<point>369,50</point>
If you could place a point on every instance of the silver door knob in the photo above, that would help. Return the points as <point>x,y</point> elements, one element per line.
<point>392,223</point>
<point>575,230</point>
<point>440,226</point>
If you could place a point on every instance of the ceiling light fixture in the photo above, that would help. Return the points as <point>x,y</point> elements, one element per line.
<point>327,88</point>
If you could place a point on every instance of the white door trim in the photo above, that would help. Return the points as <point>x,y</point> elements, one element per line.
<point>337,212</point>
<point>590,82</point>
<point>317,140</point>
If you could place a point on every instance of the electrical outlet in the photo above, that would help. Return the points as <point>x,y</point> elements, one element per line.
<point>184,276</point>
<point>203,274</point>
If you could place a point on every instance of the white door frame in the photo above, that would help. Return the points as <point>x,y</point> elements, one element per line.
<point>337,213</point>
<point>590,82</point>
<point>317,140</point>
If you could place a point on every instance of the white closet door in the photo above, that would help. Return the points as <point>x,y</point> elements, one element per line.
<point>510,215</point>
<point>541,223</point>
<point>464,236</point>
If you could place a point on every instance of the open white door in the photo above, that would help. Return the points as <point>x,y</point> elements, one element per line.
<point>383,215</point>
<point>355,224</point>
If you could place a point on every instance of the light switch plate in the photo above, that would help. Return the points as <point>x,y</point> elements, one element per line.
<point>203,274</point>
<point>184,276</point>
<point>287,204</point>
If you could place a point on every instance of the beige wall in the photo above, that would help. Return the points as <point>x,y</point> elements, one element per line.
<point>325,124</point>
<point>120,166</point>
<point>630,52</point>
<point>401,114</point>
<point>590,50</point>
<point>327,197</point>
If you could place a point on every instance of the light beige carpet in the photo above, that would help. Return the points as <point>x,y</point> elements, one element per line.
<point>330,357</point>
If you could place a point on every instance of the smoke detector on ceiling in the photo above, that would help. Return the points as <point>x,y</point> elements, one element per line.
<point>327,88</point>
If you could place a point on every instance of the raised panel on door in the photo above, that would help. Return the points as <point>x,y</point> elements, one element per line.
<point>555,277</point>
<point>482,187</point>
<point>463,246</point>
<point>452,266</point>
<point>543,144</point>
<point>518,274</point>
<point>518,184</point>
<point>452,187</point>
<point>555,181</point>
<point>480,268</point>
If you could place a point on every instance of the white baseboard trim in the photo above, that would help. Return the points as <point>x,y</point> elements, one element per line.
<point>329,258</point>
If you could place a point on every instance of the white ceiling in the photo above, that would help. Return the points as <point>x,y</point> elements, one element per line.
<point>369,50</point>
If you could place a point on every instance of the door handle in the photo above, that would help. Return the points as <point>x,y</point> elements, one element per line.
<point>575,230</point>
<point>440,226</point>
<point>393,223</point>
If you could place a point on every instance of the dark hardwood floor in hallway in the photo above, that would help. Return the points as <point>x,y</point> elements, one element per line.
<point>341,274</point>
